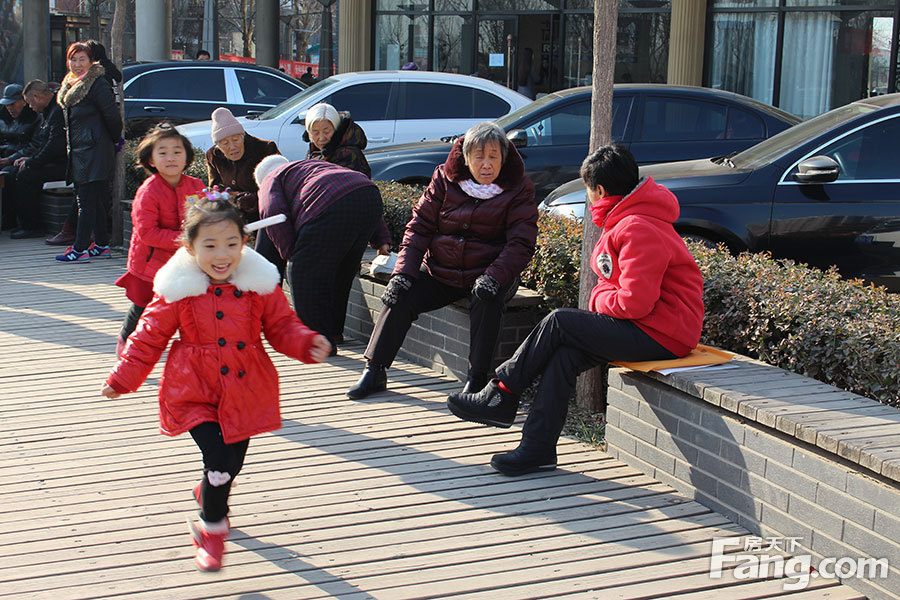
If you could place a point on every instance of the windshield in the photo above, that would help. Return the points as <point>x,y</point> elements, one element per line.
<point>771,149</point>
<point>294,101</point>
<point>507,120</point>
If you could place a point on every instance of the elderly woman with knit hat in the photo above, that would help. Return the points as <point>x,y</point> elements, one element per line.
<point>230,163</point>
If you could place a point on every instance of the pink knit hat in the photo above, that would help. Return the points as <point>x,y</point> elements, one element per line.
<point>224,124</point>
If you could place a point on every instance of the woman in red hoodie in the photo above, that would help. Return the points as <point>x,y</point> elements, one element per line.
<point>647,305</point>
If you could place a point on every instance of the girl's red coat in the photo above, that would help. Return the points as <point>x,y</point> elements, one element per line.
<point>156,216</point>
<point>217,370</point>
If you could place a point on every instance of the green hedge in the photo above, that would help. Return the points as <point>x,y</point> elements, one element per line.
<point>811,322</point>
<point>399,200</point>
<point>808,321</point>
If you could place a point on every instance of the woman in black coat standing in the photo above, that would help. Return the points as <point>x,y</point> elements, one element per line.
<point>93,126</point>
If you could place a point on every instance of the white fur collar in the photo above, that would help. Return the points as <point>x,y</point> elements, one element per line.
<point>182,277</point>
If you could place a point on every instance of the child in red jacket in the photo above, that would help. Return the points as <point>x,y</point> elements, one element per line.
<point>647,305</point>
<point>218,383</point>
<point>156,216</point>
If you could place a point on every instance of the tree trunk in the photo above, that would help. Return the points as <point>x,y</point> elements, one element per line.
<point>117,37</point>
<point>591,387</point>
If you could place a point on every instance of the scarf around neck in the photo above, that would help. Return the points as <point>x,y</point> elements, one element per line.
<point>482,191</point>
<point>74,89</point>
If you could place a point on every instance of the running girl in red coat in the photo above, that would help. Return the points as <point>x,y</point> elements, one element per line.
<point>156,216</point>
<point>219,383</point>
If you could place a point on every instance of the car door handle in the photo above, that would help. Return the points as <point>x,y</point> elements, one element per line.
<point>379,140</point>
<point>155,108</point>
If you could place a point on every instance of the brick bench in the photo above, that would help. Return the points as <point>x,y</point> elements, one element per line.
<point>440,339</point>
<point>779,453</point>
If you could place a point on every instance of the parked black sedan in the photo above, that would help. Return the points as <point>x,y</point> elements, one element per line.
<point>659,123</point>
<point>187,91</point>
<point>825,192</point>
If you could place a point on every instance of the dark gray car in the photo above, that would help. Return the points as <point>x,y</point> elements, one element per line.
<point>659,123</point>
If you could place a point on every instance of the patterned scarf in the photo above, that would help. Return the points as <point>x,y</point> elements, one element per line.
<point>482,191</point>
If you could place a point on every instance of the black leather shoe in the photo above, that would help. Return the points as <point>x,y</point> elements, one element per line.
<point>527,458</point>
<point>22,234</point>
<point>374,379</point>
<point>475,382</point>
<point>491,406</point>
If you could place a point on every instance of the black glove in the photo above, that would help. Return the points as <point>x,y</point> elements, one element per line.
<point>486,287</point>
<point>396,287</point>
<point>246,201</point>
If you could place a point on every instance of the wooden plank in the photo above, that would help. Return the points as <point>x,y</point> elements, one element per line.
<point>388,497</point>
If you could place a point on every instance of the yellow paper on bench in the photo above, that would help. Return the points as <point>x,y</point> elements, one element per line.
<point>699,356</point>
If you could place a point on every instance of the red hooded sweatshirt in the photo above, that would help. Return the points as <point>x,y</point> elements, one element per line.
<point>644,270</point>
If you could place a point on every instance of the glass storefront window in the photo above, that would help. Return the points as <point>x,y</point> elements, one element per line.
<point>518,5</point>
<point>642,49</point>
<point>578,58</point>
<point>742,54</point>
<point>745,4</point>
<point>453,40</point>
<point>493,49</point>
<point>624,5</point>
<point>400,39</point>
<point>453,5</point>
<point>829,3</point>
<point>832,58</point>
<point>399,5</point>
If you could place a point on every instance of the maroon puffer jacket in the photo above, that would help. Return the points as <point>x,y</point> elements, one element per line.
<point>460,237</point>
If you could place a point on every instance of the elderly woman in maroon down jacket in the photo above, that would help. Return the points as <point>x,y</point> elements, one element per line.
<point>472,233</point>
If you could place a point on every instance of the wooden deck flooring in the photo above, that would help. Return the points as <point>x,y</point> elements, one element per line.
<point>386,498</point>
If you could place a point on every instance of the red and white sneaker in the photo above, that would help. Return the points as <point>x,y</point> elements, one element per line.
<point>209,540</point>
<point>72,255</point>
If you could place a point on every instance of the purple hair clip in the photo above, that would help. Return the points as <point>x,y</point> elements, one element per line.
<point>215,194</point>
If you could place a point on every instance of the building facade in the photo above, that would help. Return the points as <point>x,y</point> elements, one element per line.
<point>805,56</point>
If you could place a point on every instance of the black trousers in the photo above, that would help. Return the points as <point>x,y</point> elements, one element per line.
<point>427,294</point>
<point>131,320</point>
<point>26,189</point>
<point>218,457</point>
<point>326,258</point>
<point>565,343</point>
<point>92,200</point>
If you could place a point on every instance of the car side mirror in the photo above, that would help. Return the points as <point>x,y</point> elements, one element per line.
<point>301,119</point>
<point>518,137</point>
<point>817,169</point>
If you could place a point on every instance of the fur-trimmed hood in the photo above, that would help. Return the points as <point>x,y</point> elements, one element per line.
<point>71,94</point>
<point>511,173</point>
<point>182,277</point>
